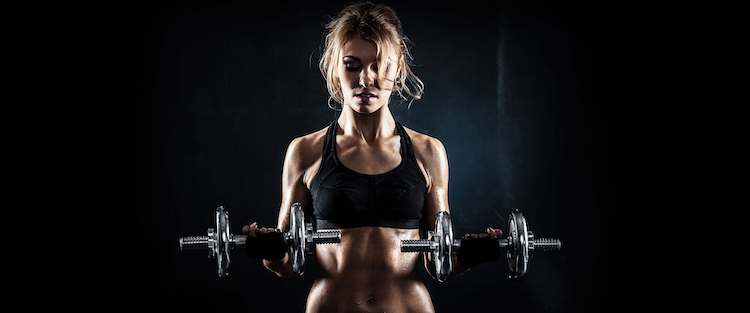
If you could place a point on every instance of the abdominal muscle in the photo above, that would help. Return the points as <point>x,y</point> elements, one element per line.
<point>367,272</point>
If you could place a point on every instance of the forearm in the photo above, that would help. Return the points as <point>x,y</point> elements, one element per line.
<point>268,245</point>
<point>282,267</point>
<point>457,268</point>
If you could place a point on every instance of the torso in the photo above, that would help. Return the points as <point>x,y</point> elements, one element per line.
<point>366,272</point>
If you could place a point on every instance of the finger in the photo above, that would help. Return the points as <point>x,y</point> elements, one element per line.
<point>491,232</point>
<point>268,230</point>
<point>474,236</point>
<point>250,229</point>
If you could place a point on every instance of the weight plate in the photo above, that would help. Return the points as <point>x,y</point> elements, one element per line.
<point>518,249</point>
<point>221,248</point>
<point>444,252</point>
<point>298,240</point>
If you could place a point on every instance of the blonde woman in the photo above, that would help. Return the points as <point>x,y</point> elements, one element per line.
<point>367,176</point>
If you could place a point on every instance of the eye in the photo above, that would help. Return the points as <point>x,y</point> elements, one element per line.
<point>351,66</point>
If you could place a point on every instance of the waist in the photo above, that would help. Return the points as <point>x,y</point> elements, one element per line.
<point>321,224</point>
<point>368,252</point>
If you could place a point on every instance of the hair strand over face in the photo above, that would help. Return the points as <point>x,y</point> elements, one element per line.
<point>380,25</point>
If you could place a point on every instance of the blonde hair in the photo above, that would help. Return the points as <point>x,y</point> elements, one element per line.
<point>380,25</point>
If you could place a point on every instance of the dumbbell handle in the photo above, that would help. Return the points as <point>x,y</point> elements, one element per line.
<point>326,237</point>
<point>194,243</point>
<point>203,242</point>
<point>427,245</point>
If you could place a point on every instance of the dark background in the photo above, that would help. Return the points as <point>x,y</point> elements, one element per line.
<point>529,98</point>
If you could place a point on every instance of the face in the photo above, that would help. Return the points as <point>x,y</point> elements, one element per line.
<point>358,74</point>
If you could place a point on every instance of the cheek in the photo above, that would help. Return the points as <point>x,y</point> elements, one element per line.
<point>348,80</point>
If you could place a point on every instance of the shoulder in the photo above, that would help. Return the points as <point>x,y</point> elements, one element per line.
<point>306,149</point>
<point>303,157</point>
<point>426,148</point>
<point>432,160</point>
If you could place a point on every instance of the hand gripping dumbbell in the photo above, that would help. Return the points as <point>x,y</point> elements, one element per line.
<point>519,244</point>
<point>300,238</point>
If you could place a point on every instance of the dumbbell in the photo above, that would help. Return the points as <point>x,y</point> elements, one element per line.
<point>519,244</point>
<point>300,238</point>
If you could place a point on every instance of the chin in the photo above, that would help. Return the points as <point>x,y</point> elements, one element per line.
<point>366,108</point>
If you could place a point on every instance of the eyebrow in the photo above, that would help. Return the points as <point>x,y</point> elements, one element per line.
<point>357,59</point>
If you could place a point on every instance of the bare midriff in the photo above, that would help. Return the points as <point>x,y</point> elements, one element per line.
<point>367,272</point>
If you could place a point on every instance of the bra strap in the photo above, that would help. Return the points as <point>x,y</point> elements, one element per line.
<point>406,142</point>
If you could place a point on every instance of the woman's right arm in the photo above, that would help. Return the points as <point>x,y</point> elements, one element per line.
<point>298,165</point>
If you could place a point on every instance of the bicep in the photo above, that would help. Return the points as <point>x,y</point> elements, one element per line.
<point>293,188</point>
<point>435,162</point>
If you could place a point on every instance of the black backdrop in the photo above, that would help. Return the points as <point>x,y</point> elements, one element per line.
<point>529,98</point>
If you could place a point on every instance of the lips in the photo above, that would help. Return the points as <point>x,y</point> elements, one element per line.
<point>365,96</point>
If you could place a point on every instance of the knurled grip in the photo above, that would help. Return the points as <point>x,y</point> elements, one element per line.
<point>418,245</point>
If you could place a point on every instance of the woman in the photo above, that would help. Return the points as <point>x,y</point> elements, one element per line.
<point>367,176</point>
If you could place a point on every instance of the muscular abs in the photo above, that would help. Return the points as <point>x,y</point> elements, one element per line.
<point>366,272</point>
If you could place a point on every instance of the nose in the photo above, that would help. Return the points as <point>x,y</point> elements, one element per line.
<point>368,77</point>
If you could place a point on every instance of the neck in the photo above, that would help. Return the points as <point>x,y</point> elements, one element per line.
<point>370,126</point>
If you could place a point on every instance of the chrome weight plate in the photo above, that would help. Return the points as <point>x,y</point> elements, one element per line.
<point>444,251</point>
<point>518,246</point>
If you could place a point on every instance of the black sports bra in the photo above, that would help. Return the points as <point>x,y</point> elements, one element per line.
<point>343,198</point>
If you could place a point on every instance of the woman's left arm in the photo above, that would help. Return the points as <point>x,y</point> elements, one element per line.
<point>431,154</point>
<point>434,162</point>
